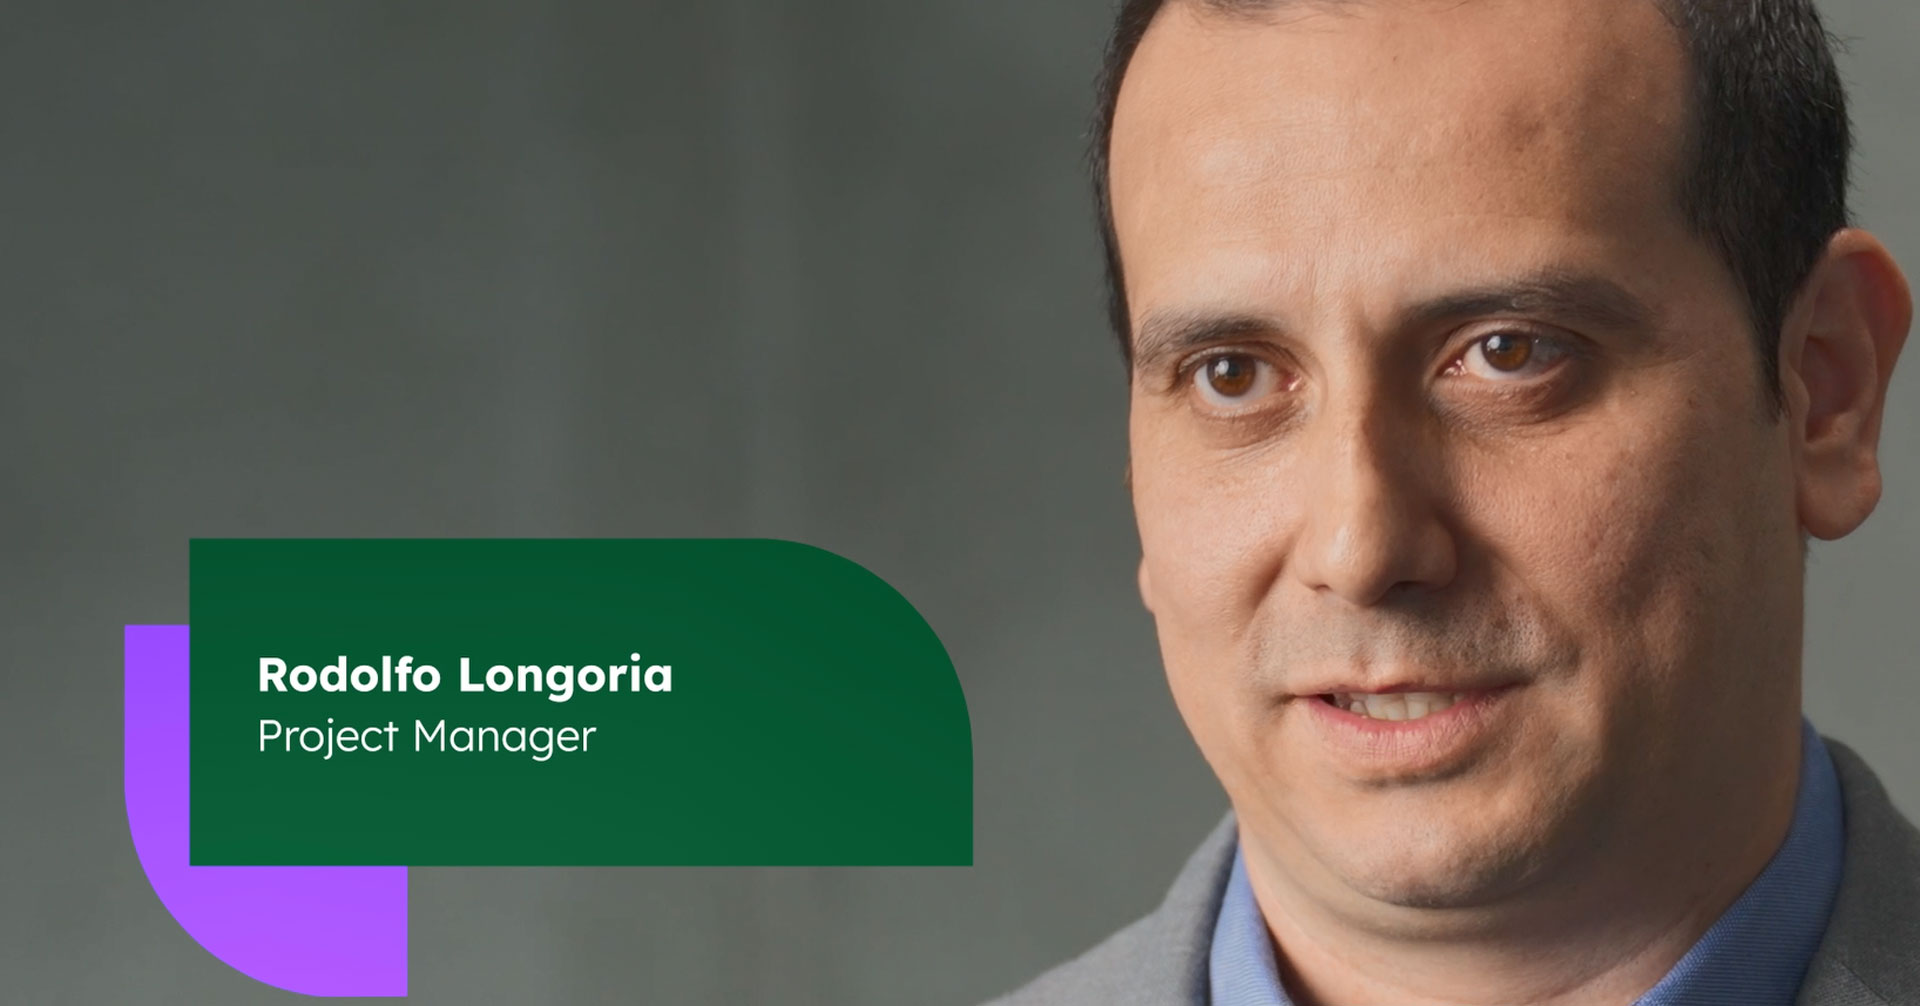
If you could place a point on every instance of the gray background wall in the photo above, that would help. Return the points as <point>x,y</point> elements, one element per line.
<point>813,270</point>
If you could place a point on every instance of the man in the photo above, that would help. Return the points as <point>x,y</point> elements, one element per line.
<point>1492,362</point>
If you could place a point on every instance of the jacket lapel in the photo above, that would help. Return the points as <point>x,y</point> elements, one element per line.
<point>1178,973</point>
<point>1871,953</point>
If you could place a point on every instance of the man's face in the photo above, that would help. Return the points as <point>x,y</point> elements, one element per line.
<point>1435,393</point>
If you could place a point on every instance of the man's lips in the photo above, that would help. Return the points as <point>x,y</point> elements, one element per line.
<point>1402,701</point>
<point>1441,687</point>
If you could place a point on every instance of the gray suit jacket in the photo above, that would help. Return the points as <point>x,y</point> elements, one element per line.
<point>1870,956</point>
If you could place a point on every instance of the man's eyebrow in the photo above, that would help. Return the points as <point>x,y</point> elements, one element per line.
<point>1576,298</point>
<point>1566,296</point>
<point>1168,334</point>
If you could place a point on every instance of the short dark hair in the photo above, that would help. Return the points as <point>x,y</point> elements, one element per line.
<point>1764,164</point>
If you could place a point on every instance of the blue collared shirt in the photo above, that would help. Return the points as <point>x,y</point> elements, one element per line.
<point>1755,954</point>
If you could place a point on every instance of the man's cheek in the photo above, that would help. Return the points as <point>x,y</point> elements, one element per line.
<point>1612,512</point>
<point>1205,565</point>
<point>1204,691</point>
<point>1624,550</point>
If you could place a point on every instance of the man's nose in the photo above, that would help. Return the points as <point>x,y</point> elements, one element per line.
<point>1372,521</point>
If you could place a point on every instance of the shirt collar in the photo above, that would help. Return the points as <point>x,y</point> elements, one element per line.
<point>1755,954</point>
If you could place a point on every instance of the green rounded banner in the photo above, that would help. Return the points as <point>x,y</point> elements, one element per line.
<point>542,702</point>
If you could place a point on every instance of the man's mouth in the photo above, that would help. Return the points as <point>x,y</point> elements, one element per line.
<point>1393,705</point>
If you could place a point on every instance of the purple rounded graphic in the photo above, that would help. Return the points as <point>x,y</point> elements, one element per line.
<point>318,930</point>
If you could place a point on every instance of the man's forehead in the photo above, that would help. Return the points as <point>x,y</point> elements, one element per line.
<point>1235,133</point>
<point>1571,39</point>
<point>1512,76</point>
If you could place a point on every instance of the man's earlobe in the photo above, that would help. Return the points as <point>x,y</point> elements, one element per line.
<point>1146,585</point>
<point>1836,358</point>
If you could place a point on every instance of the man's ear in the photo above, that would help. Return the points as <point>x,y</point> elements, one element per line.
<point>1146,585</point>
<point>1146,582</point>
<point>1837,353</point>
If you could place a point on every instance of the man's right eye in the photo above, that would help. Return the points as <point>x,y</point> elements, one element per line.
<point>1231,381</point>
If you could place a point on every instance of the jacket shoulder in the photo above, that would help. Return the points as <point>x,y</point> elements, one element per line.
<point>1096,976</point>
<point>1158,960</point>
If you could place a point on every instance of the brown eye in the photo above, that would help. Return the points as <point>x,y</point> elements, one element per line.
<point>1231,376</point>
<point>1509,356</point>
<point>1506,352</point>
<point>1229,382</point>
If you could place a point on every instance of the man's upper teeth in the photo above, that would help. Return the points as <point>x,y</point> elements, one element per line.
<point>1397,705</point>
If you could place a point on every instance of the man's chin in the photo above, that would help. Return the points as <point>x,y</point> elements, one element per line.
<point>1456,892</point>
<point>1434,871</point>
